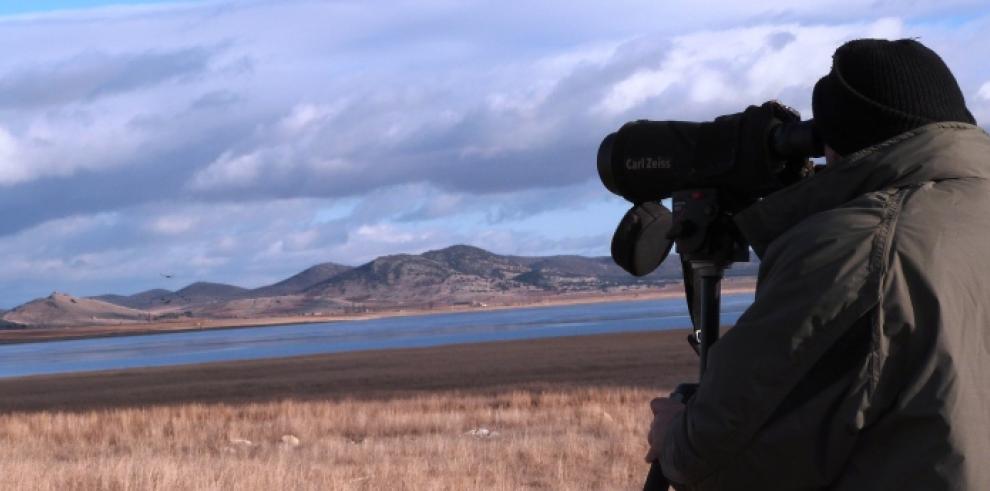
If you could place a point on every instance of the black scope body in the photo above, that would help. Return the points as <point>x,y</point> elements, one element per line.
<point>748,154</point>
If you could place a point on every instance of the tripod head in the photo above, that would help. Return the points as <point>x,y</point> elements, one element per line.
<point>700,226</point>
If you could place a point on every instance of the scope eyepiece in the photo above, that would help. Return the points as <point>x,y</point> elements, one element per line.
<point>797,140</point>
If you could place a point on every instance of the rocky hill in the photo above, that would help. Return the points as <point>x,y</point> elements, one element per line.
<point>59,309</point>
<point>301,281</point>
<point>5,324</point>
<point>204,292</point>
<point>461,274</point>
<point>457,275</point>
<point>144,300</point>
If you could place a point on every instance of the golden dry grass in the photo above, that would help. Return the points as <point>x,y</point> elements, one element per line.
<point>569,438</point>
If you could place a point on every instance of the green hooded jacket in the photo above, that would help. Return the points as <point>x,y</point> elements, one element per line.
<point>864,361</point>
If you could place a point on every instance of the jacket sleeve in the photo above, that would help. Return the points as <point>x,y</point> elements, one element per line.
<point>817,282</point>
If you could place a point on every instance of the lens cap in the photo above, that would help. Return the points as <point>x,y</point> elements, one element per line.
<point>640,242</point>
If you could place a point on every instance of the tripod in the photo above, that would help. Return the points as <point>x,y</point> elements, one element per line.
<point>708,244</point>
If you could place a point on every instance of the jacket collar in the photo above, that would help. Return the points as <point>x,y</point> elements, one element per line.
<point>930,153</point>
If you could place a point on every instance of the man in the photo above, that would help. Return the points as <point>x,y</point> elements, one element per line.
<point>864,362</point>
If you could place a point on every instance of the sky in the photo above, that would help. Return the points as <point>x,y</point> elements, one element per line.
<point>242,142</point>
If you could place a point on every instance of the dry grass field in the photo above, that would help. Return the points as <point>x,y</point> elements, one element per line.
<point>560,413</point>
<point>565,439</point>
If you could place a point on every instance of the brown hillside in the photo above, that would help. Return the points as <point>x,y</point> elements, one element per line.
<point>59,309</point>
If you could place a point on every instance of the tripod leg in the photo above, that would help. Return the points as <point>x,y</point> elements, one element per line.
<point>655,480</point>
<point>706,296</point>
<point>708,281</point>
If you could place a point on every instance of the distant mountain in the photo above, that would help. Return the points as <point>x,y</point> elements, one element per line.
<point>194,294</point>
<point>462,273</point>
<point>475,261</point>
<point>203,291</point>
<point>59,309</point>
<point>456,275</point>
<point>211,293</point>
<point>751,268</point>
<point>145,300</point>
<point>300,282</point>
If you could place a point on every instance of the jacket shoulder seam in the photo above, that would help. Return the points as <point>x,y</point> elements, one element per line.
<point>881,251</point>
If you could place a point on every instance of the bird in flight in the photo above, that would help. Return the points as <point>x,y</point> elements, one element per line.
<point>167,276</point>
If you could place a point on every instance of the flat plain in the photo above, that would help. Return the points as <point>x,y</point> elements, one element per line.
<point>559,413</point>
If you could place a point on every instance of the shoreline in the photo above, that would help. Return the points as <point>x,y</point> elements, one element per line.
<point>655,360</point>
<point>46,334</point>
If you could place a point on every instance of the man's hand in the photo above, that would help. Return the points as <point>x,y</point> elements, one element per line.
<point>664,409</point>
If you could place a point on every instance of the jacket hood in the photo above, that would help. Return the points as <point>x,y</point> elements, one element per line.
<point>934,152</point>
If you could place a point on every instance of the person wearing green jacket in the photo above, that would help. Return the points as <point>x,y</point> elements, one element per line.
<point>864,361</point>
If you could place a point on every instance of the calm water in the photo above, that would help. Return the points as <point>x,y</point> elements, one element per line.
<point>307,339</point>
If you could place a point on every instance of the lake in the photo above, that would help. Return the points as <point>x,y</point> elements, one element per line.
<point>334,337</point>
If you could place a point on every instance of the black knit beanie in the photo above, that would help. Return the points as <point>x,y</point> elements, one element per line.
<point>878,89</point>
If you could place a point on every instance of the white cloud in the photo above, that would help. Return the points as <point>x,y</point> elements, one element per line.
<point>984,92</point>
<point>64,143</point>
<point>388,234</point>
<point>292,150</point>
<point>304,117</point>
<point>435,122</point>
<point>639,87</point>
<point>172,224</point>
<point>12,168</point>
<point>229,171</point>
<point>739,66</point>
